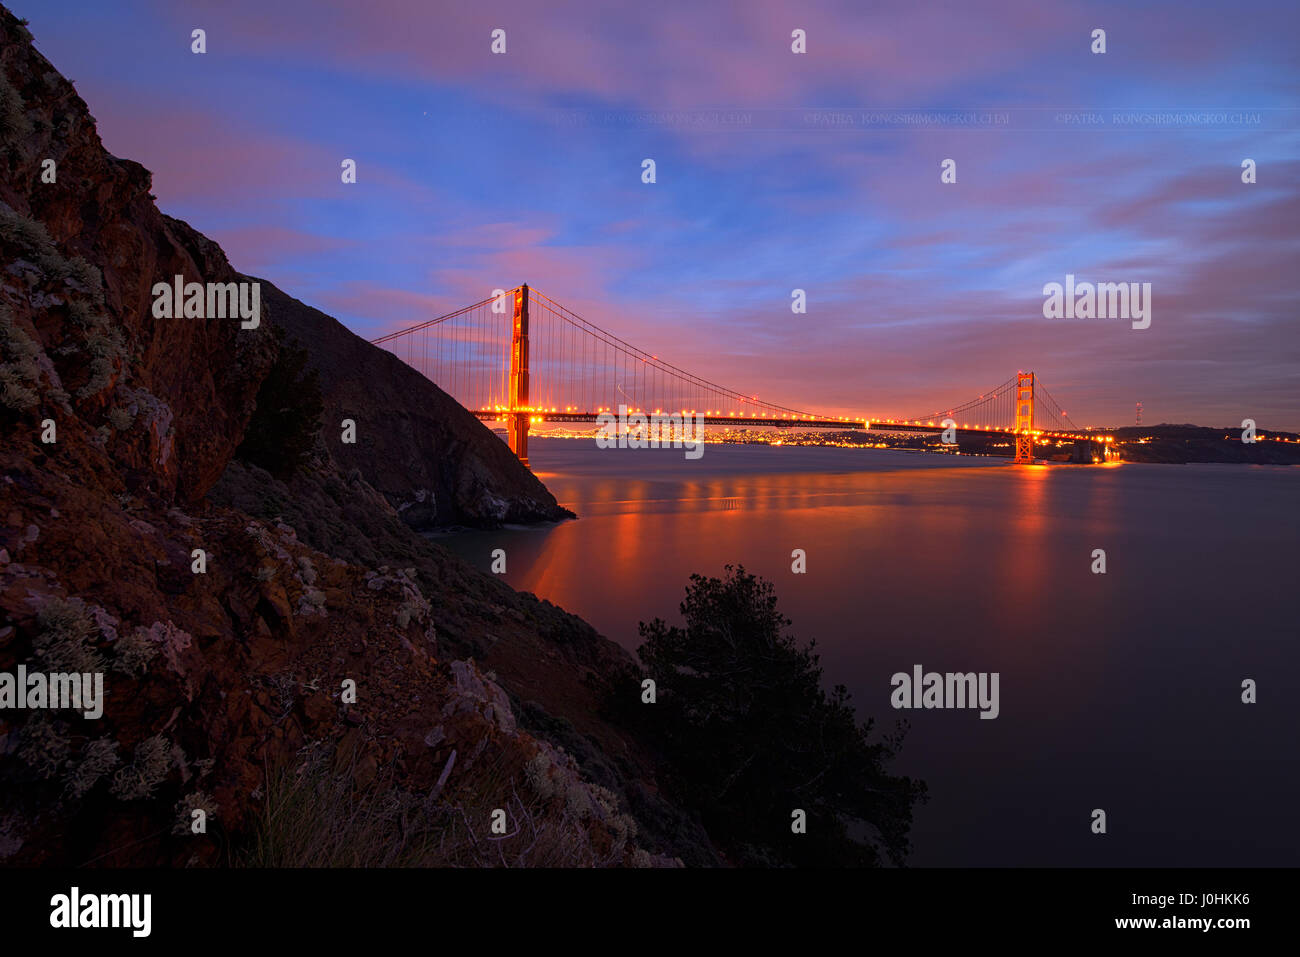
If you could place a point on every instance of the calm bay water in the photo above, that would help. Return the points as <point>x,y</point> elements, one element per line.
<point>1119,691</point>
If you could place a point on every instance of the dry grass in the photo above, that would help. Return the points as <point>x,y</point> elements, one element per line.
<point>315,815</point>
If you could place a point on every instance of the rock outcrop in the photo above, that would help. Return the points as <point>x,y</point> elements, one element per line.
<point>434,461</point>
<point>284,641</point>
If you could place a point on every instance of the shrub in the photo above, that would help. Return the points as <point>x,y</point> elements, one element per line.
<point>14,393</point>
<point>312,602</point>
<point>317,814</point>
<point>133,652</point>
<point>44,745</point>
<point>86,275</point>
<point>20,375</point>
<point>106,349</point>
<point>578,802</point>
<point>14,124</point>
<point>83,315</point>
<point>99,758</point>
<point>537,772</point>
<point>120,418</point>
<point>411,608</point>
<point>24,232</point>
<point>149,766</point>
<point>198,801</point>
<point>64,641</point>
<point>750,734</point>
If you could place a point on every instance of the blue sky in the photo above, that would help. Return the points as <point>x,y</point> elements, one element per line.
<point>920,293</point>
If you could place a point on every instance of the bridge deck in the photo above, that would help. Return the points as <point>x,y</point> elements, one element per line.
<point>981,430</point>
<point>489,415</point>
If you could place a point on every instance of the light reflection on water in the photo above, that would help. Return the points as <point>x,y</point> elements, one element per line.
<point>1119,691</point>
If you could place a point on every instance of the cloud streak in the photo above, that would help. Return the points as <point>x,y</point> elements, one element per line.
<point>919,293</point>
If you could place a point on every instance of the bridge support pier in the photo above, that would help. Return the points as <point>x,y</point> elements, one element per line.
<point>1024,419</point>
<point>517,421</point>
<point>517,429</point>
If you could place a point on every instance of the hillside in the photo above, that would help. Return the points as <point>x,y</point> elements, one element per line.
<point>1191,443</point>
<point>431,459</point>
<point>283,653</point>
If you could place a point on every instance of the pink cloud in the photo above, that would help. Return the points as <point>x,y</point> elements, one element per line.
<point>254,248</point>
<point>662,55</point>
<point>197,154</point>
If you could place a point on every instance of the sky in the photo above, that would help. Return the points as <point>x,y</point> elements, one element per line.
<point>774,170</point>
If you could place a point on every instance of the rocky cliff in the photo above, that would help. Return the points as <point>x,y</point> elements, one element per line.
<point>286,652</point>
<point>431,459</point>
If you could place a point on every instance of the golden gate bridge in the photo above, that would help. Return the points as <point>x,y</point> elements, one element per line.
<point>522,358</point>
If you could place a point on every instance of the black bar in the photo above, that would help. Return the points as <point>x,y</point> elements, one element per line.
<point>214,906</point>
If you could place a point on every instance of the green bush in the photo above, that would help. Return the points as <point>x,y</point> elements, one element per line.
<point>750,735</point>
<point>149,767</point>
<point>44,745</point>
<point>100,758</point>
<point>14,124</point>
<point>66,639</point>
<point>107,349</point>
<point>28,234</point>
<point>20,374</point>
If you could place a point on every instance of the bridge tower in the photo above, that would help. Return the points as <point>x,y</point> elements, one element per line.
<point>517,426</point>
<point>1024,419</point>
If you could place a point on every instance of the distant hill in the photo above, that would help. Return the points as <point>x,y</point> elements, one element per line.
<point>1172,444</point>
<point>434,461</point>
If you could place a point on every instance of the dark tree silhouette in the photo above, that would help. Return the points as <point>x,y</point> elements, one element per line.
<point>751,735</point>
